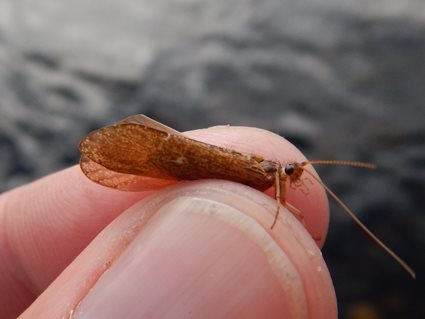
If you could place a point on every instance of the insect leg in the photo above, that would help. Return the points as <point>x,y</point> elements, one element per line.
<point>277,195</point>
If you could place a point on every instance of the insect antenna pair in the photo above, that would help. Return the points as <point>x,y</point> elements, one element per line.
<point>293,172</point>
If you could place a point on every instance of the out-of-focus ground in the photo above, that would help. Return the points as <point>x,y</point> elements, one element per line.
<point>340,79</point>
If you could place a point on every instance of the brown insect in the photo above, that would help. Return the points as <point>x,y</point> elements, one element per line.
<point>139,153</point>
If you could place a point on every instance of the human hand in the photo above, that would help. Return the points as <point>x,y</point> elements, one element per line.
<point>196,249</point>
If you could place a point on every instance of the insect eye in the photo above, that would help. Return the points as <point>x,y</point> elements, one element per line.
<point>289,169</point>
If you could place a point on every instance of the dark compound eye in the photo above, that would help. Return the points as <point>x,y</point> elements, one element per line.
<point>289,169</point>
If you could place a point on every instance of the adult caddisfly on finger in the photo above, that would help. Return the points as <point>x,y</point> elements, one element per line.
<point>139,153</point>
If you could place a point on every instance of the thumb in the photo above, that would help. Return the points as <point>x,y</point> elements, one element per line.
<point>200,249</point>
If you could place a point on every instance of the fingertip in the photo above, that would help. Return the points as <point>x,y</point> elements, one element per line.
<point>74,210</point>
<point>202,247</point>
<point>209,246</point>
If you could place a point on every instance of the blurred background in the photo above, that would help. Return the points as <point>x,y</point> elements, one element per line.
<point>341,79</point>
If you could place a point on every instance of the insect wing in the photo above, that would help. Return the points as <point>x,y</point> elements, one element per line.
<point>121,181</point>
<point>141,146</point>
<point>147,121</point>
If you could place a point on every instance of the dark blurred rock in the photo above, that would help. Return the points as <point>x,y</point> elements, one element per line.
<point>342,80</point>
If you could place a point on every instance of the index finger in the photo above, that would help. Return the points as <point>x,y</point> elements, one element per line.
<point>46,224</point>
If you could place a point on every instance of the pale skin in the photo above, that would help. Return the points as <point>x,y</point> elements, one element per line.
<point>222,264</point>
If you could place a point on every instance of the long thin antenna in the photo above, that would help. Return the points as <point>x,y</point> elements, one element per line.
<point>355,218</point>
<point>348,163</point>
